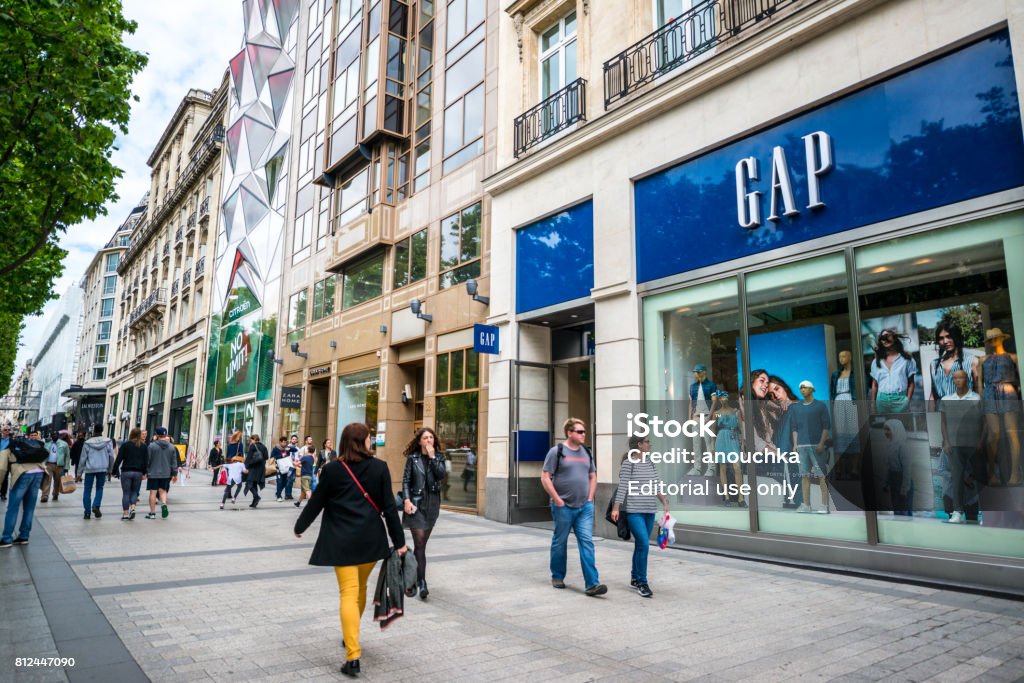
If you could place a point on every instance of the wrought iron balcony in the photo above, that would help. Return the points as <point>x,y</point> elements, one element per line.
<point>156,260</point>
<point>167,250</point>
<point>191,220</point>
<point>200,267</point>
<point>186,279</point>
<point>204,210</point>
<point>151,307</point>
<point>554,114</point>
<point>681,40</point>
<point>174,289</point>
<point>179,233</point>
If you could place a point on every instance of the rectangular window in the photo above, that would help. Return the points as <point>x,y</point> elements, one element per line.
<point>558,55</point>
<point>464,109</point>
<point>103,331</point>
<point>363,281</point>
<point>109,284</point>
<point>184,380</point>
<point>110,263</point>
<point>460,246</point>
<point>302,237</point>
<point>297,316</point>
<point>99,373</point>
<point>106,308</point>
<point>463,17</point>
<point>410,260</point>
<point>158,389</point>
<point>323,298</point>
<point>457,371</point>
<point>358,397</point>
<point>102,351</point>
<point>350,199</point>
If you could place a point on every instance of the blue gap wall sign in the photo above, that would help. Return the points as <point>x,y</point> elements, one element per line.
<point>555,259</point>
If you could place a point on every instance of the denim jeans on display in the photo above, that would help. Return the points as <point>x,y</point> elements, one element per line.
<point>640,525</point>
<point>24,494</point>
<point>581,522</point>
<point>97,479</point>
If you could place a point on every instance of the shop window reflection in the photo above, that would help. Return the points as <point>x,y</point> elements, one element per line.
<point>799,325</point>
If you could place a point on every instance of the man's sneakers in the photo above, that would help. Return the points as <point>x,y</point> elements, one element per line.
<point>596,589</point>
<point>557,583</point>
<point>280,499</point>
<point>644,590</point>
<point>87,515</point>
<point>163,510</point>
<point>955,518</point>
<point>21,541</point>
<point>5,544</point>
<point>150,515</point>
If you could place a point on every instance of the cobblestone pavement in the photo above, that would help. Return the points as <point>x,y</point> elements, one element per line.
<point>229,596</point>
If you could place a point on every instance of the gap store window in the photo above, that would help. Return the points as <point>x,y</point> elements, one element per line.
<point>919,387</point>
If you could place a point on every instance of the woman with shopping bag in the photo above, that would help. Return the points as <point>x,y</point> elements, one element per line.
<point>355,495</point>
<point>637,473</point>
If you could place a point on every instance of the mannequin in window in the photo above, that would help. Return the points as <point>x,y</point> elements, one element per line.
<point>703,399</point>
<point>1000,379</point>
<point>841,392</point>
<point>892,374</point>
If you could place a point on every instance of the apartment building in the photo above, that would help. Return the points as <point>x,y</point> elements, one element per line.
<point>100,321</point>
<point>165,299</point>
<point>759,194</point>
<point>395,121</point>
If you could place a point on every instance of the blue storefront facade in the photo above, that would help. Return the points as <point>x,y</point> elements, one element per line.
<point>789,253</point>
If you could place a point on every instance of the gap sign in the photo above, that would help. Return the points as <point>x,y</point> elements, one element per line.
<point>485,339</point>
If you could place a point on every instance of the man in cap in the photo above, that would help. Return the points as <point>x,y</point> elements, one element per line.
<point>809,422</point>
<point>161,471</point>
<point>703,398</point>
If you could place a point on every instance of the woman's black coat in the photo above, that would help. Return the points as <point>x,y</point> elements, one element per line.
<point>351,531</point>
<point>422,474</point>
<point>256,464</point>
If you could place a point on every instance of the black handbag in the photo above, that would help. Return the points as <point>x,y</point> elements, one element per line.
<point>621,525</point>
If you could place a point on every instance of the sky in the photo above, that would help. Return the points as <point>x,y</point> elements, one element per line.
<point>189,43</point>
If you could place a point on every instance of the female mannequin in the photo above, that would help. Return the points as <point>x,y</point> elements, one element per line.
<point>1000,378</point>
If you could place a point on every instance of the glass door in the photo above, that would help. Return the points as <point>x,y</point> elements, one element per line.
<point>533,434</point>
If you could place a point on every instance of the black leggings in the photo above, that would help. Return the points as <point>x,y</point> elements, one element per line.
<point>227,492</point>
<point>419,544</point>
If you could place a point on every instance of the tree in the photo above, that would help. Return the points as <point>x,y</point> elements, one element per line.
<point>64,96</point>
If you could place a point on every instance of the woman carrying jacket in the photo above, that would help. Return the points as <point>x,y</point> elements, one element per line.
<point>130,466</point>
<point>354,493</point>
<point>421,490</point>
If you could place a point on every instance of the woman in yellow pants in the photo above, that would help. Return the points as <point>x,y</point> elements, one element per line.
<point>354,493</point>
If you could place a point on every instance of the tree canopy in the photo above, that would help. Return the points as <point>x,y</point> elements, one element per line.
<point>65,78</point>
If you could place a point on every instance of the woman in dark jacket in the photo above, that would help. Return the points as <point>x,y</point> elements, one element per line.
<point>256,467</point>
<point>216,458</point>
<point>421,489</point>
<point>130,466</point>
<point>354,493</point>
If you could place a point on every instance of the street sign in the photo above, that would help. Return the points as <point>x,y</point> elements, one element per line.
<point>485,339</point>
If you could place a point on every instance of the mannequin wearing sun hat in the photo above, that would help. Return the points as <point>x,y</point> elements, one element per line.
<point>1000,380</point>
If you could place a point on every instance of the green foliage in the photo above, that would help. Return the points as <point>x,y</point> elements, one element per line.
<point>10,330</point>
<point>64,96</point>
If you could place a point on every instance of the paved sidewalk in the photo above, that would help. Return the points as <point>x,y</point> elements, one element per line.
<point>229,596</point>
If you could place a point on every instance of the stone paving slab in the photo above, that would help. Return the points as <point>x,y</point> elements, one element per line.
<point>211,595</point>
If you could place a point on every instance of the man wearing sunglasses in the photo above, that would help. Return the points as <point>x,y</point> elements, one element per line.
<point>569,476</point>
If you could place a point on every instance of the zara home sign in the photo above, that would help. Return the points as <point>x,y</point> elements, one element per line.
<point>818,162</point>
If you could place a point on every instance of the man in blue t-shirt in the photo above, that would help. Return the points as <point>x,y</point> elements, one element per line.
<point>569,476</point>
<point>809,423</point>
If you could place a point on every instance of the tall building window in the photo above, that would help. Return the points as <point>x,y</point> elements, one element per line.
<point>297,316</point>
<point>457,407</point>
<point>363,281</point>
<point>101,354</point>
<point>424,96</point>
<point>103,330</point>
<point>350,200</point>
<point>323,298</point>
<point>464,109</point>
<point>558,55</point>
<point>106,308</point>
<point>410,264</point>
<point>99,373</point>
<point>110,263</point>
<point>464,16</point>
<point>460,246</point>
<point>109,284</point>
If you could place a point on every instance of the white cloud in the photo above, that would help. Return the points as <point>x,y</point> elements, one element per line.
<point>189,43</point>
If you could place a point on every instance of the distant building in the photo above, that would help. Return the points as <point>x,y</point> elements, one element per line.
<point>56,361</point>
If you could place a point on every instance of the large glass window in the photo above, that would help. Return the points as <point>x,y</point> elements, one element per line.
<point>457,405</point>
<point>410,259</point>
<point>363,281</point>
<point>109,284</point>
<point>358,395</point>
<point>110,263</point>
<point>350,199</point>
<point>460,246</point>
<point>106,308</point>
<point>103,330</point>
<point>464,109</point>
<point>558,55</point>
<point>102,352</point>
<point>323,298</point>
<point>184,380</point>
<point>297,315</point>
<point>158,389</point>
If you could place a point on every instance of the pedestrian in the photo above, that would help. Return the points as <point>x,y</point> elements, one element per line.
<point>161,471</point>
<point>24,491</point>
<point>76,451</point>
<point>215,459</point>
<point>306,465</point>
<point>421,489</point>
<point>5,441</point>
<point>283,461</point>
<point>236,471</point>
<point>354,493</point>
<point>255,465</point>
<point>569,476</point>
<point>327,454</point>
<point>60,451</point>
<point>469,470</point>
<point>97,463</point>
<point>293,453</point>
<point>637,473</point>
<point>235,445</point>
<point>130,466</point>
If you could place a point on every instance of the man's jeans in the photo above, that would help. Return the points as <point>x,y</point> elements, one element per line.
<point>581,521</point>
<point>24,494</point>
<point>99,479</point>
<point>288,484</point>
<point>282,479</point>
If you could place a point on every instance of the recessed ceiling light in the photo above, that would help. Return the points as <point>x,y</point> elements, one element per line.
<point>921,261</point>
<point>684,309</point>
<point>788,289</point>
<point>573,316</point>
<point>544,322</point>
<point>880,269</point>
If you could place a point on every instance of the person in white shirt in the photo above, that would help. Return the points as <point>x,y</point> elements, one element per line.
<point>235,469</point>
<point>961,438</point>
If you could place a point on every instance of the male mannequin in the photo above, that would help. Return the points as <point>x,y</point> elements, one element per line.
<point>703,400</point>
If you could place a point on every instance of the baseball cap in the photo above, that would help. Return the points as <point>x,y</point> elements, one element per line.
<point>806,383</point>
<point>161,431</point>
<point>699,368</point>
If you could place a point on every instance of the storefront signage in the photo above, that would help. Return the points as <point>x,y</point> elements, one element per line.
<point>291,397</point>
<point>818,162</point>
<point>322,370</point>
<point>485,339</point>
<point>895,148</point>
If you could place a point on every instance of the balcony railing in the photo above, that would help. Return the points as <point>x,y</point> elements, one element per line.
<point>200,267</point>
<point>204,210</point>
<point>554,114</point>
<point>681,40</point>
<point>154,303</point>
<point>155,260</point>
<point>186,280</point>
<point>174,289</point>
<point>167,250</point>
<point>178,234</point>
<point>191,220</point>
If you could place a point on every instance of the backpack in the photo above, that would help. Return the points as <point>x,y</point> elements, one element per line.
<point>28,451</point>
<point>561,454</point>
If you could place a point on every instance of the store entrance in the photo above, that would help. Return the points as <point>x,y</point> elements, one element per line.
<point>316,410</point>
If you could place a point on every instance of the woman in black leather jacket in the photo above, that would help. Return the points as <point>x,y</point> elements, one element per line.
<point>421,489</point>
